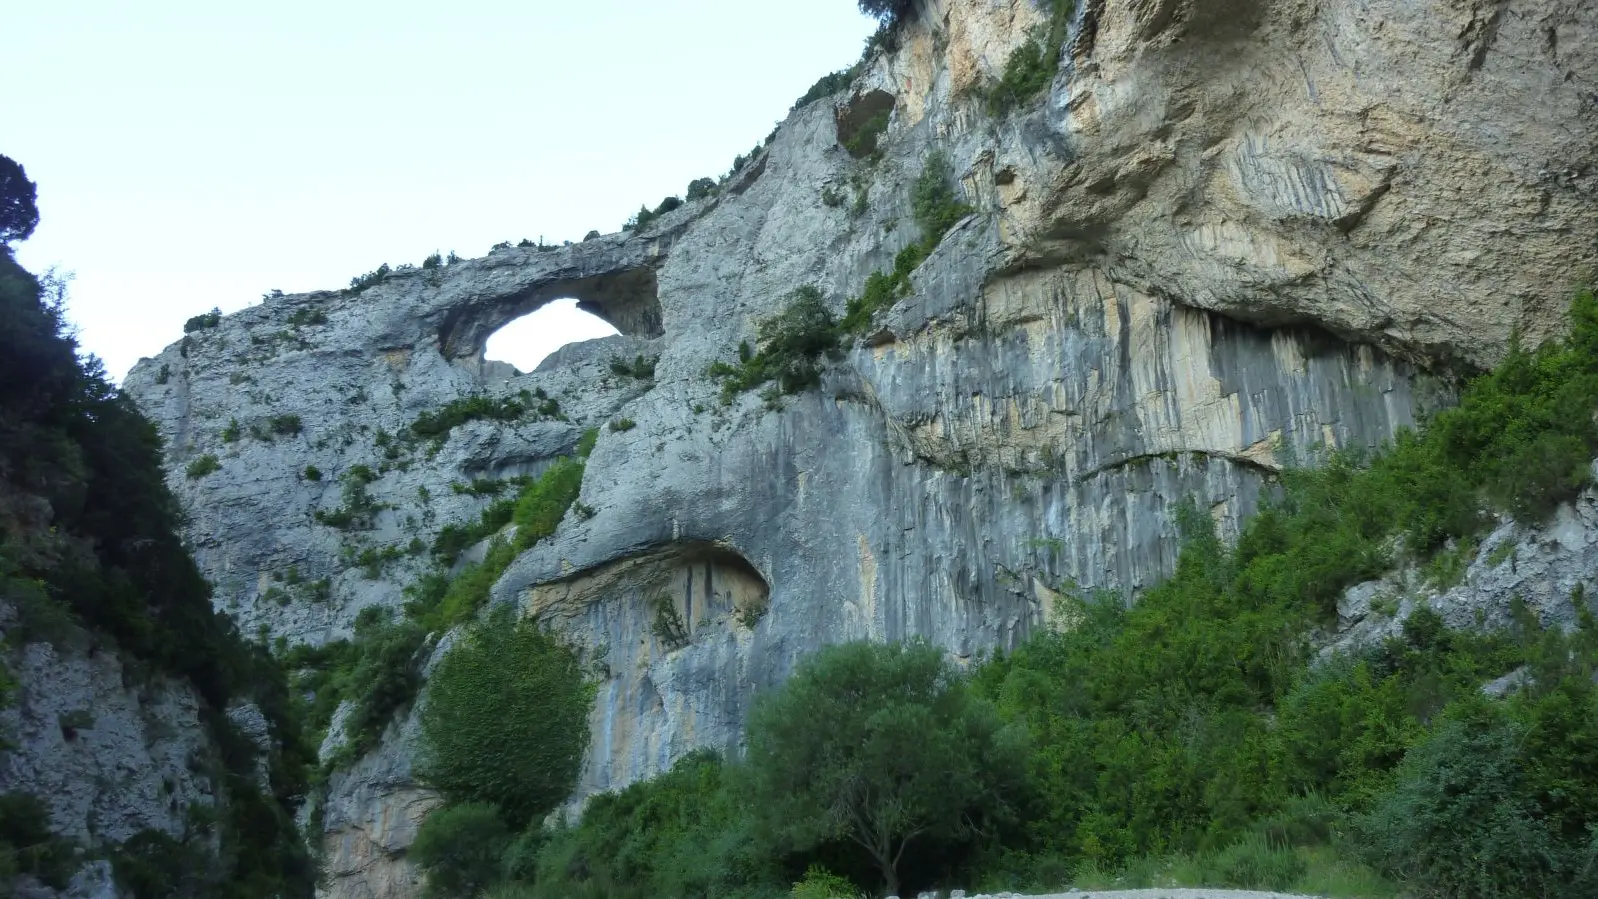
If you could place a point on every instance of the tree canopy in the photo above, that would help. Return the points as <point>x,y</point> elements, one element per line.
<point>887,11</point>
<point>882,746</point>
<point>19,210</point>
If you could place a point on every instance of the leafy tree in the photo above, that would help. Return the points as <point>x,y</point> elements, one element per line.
<point>506,719</point>
<point>19,210</point>
<point>882,746</point>
<point>460,848</point>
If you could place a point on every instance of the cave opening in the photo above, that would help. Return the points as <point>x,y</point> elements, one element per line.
<point>526,341</point>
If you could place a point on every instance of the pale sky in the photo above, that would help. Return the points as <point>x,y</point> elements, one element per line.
<point>199,154</point>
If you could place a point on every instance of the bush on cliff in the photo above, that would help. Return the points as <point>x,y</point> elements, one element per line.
<point>506,719</point>
<point>460,848</point>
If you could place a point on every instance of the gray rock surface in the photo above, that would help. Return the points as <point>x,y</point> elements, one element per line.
<point>1230,233</point>
<point>110,750</point>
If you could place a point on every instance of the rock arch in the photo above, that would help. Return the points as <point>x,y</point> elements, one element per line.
<point>627,298</point>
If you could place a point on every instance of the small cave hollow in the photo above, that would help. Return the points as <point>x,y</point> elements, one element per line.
<point>529,340</point>
<point>705,583</point>
<point>625,301</point>
<point>862,121</point>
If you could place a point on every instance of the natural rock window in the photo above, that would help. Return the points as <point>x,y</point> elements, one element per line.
<point>624,298</point>
<point>526,341</point>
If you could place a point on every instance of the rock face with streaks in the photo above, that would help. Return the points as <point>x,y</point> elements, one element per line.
<point>1228,234</point>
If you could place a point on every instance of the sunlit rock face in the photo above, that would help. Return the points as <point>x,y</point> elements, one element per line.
<point>1229,235</point>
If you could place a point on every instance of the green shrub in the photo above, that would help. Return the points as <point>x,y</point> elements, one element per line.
<point>792,344</point>
<point>1463,820</point>
<point>519,862</point>
<point>203,322</point>
<point>460,847</point>
<point>933,200</point>
<point>284,425</point>
<point>358,510</point>
<point>826,86</point>
<point>1254,863</point>
<point>206,464</point>
<point>369,280</point>
<point>700,188</point>
<point>1032,66</point>
<point>154,865</point>
<point>794,341</point>
<point>819,883</point>
<point>622,424</point>
<point>307,315</point>
<point>312,473</point>
<point>434,260</point>
<point>642,367</point>
<point>506,719</point>
<point>541,506</point>
<point>455,413</point>
<point>688,832</point>
<point>889,12</point>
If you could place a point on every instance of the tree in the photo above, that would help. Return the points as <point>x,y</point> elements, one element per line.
<point>882,746</point>
<point>460,848</point>
<point>19,210</point>
<point>888,12</point>
<point>505,720</point>
<point>699,188</point>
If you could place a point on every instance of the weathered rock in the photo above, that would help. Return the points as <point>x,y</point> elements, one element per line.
<point>1230,233</point>
<point>111,751</point>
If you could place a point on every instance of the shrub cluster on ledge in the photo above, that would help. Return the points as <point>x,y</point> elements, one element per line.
<point>203,322</point>
<point>1033,65</point>
<point>793,343</point>
<point>437,425</point>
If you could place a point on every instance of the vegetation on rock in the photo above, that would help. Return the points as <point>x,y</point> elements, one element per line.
<point>506,720</point>
<point>1032,66</point>
<point>1192,736</point>
<point>793,342</point>
<point>379,670</point>
<point>90,551</point>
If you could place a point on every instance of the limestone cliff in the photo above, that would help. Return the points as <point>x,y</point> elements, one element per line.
<point>1228,233</point>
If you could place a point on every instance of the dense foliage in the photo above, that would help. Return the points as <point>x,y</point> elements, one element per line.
<point>436,425</point>
<point>91,556</point>
<point>506,719</point>
<point>908,756</point>
<point>888,11</point>
<point>19,210</point>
